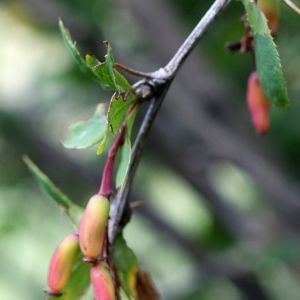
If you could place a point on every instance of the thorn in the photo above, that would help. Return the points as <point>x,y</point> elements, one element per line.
<point>136,204</point>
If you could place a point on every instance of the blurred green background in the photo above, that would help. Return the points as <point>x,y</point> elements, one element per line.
<point>220,218</point>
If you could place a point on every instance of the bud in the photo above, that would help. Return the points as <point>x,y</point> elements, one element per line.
<point>62,262</point>
<point>102,282</point>
<point>258,104</point>
<point>92,226</point>
<point>271,10</point>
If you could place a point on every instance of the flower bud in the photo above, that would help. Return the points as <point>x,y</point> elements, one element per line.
<point>271,10</point>
<point>102,282</point>
<point>62,262</point>
<point>92,227</point>
<point>258,104</point>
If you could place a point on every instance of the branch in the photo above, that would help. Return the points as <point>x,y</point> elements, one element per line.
<point>121,202</point>
<point>292,6</point>
<point>190,43</point>
<point>163,79</point>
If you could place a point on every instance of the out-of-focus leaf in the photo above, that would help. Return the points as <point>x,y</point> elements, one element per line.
<point>127,266</point>
<point>125,150</point>
<point>86,69</point>
<point>256,18</point>
<point>145,288</point>
<point>73,211</point>
<point>269,71</point>
<point>83,134</point>
<point>78,282</point>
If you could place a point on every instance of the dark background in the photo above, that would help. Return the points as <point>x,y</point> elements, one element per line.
<point>221,213</point>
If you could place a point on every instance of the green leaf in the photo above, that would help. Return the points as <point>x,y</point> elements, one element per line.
<point>256,18</point>
<point>100,70</point>
<point>73,211</point>
<point>109,77</point>
<point>125,150</point>
<point>127,266</point>
<point>122,83</point>
<point>78,282</point>
<point>119,105</point>
<point>269,71</point>
<point>110,63</point>
<point>86,69</point>
<point>104,73</point>
<point>87,133</point>
<point>103,142</point>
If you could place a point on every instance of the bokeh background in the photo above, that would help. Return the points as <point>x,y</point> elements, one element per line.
<point>221,212</point>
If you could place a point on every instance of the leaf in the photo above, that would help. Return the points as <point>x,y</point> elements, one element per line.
<point>78,282</point>
<point>119,105</point>
<point>122,83</point>
<point>269,71</point>
<point>127,266</point>
<point>125,150</point>
<point>107,74</point>
<point>256,18</point>
<point>103,142</point>
<point>86,69</point>
<point>73,211</point>
<point>100,70</point>
<point>110,63</point>
<point>103,72</point>
<point>84,134</point>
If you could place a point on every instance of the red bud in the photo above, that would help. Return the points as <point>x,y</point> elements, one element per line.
<point>92,226</point>
<point>258,104</point>
<point>62,262</point>
<point>102,282</point>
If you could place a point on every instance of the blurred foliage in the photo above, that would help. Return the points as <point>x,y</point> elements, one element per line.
<point>42,91</point>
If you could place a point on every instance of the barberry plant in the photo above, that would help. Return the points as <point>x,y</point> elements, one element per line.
<point>97,253</point>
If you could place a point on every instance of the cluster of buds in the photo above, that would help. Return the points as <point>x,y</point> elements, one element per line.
<point>90,240</point>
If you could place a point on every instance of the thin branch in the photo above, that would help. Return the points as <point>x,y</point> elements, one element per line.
<point>120,204</point>
<point>292,6</point>
<point>133,72</point>
<point>187,47</point>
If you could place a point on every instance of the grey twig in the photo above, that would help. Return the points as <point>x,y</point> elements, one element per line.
<point>192,40</point>
<point>163,81</point>
<point>121,202</point>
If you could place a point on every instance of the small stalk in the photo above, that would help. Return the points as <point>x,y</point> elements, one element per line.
<point>106,184</point>
<point>133,72</point>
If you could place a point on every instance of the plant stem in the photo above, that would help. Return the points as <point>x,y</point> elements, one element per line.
<point>133,72</point>
<point>292,5</point>
<point>192,40</point>
<point>164,76</point>
<point>106,189</point>
<point>121,201</point>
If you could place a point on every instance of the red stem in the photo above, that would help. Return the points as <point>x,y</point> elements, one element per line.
<point>106,184</point>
